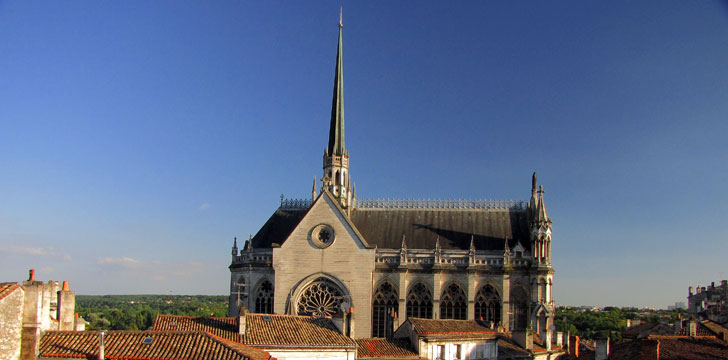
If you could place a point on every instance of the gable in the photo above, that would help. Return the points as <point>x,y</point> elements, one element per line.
<point>325,225</point>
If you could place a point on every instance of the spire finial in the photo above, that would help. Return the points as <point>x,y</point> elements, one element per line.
<point>341,17</point>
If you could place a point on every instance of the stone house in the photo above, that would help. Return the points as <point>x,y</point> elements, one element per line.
<point>30,309</point>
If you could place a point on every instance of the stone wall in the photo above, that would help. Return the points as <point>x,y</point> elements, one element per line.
<point>300,260</point>
<point>11,324</point>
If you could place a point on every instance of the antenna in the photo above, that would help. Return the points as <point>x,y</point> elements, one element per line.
<point>341,17</point>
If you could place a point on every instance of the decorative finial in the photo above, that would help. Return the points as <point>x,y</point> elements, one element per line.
<point>341,17</point>
<point>533,181</point>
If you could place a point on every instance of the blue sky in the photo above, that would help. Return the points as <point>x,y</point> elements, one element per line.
<point>137,138</point>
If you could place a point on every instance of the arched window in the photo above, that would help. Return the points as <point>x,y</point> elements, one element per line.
<point>453,304</point>
<point>264,298</point>
<point>321,298</point>
<point>419,302</point>
<point>384,310</point>
<point>338,178</point>
<point>519,309</point>
<point>488,305</point>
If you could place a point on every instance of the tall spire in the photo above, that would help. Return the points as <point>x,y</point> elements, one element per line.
<point>336,157</point>
<point>336,130</point>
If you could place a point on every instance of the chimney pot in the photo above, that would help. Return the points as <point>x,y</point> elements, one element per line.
<point>31,277</point>
<point>65,285</point>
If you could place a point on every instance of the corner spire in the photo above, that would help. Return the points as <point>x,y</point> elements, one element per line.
<point>336,130</point>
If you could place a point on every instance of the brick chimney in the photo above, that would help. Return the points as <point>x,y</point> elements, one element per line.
<point>601,351</point>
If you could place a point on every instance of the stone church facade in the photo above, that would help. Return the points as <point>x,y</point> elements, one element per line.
<point>371,264</point>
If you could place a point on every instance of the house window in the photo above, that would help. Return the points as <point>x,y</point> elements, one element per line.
<point>458,351</point>
<point>264,298</point>
<point>488,305</point>
<point>439,352</point>
<point>384,310</point>
<point>453,304</point>
<point>419,302</point>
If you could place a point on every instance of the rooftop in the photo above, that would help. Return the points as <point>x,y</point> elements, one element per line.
<point>148,345</point>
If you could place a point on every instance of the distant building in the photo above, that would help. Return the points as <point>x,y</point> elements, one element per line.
<point>372,264</point>
<point>29,310</point>
<point>709,302</point>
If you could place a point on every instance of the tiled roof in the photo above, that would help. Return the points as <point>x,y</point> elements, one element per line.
<point>224,327</point>
<point>294,331</point>
<point>700,330</point>
<point>379,348</point>
<point>449,327</point>
<point>508,349</point>
<point>129,345</point>
<point>716,328</point>
<point>671,348</point>
<point>264,330</point>
<point>7,288</point>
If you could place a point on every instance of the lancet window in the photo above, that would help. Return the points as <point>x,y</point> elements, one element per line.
<point>488,305</point>
<point>419,302</point>
<point>519,309</point>
<point>264,298</point>
<point>321,298</point>
<point>453,303</point>
<point>384,310</point>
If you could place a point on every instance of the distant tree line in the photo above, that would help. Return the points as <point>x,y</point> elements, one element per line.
<point>137,312</point>
<point>608,322</point>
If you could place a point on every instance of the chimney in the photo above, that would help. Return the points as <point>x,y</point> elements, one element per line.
<point>65,308</point>
<point>574,346</point>
<point>241,320</point>
<point>559,339</point>
<point>31,276</point>
<point>601,350</point>
<point>101,345</point>
<point>692,328</point>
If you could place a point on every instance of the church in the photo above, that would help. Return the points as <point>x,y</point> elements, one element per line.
<point>372,264</point>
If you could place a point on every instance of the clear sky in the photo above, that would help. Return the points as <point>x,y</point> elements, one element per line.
<point>137,138</point>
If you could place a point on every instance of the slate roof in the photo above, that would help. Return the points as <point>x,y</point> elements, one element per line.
<point>264,330</point>
<point>7,288</point>
<point>382,349</point>
<point>128,345</point>
<point>421,227</point>
<point>450,327</point>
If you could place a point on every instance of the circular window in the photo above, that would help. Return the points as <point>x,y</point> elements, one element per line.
<point>322,235</point>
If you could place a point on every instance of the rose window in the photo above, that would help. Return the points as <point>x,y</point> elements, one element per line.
<point>321,298</point>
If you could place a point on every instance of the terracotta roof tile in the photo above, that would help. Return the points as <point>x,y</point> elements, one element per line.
<point>224,327</point>
<point>671,348</point>
<point>450,327</point>
<point>294,330</point>
<point>7,288</point>
<point>128,345</point>
<point>269,330</point>
<point>700,330</point>
<point>380,348</point>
